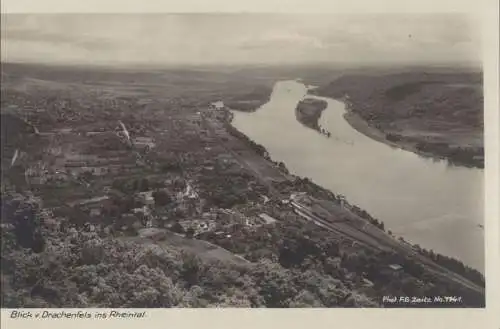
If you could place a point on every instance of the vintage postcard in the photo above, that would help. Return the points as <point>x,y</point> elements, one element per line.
<point>244,159</point>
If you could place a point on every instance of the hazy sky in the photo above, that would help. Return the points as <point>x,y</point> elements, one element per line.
<point>239,38</point>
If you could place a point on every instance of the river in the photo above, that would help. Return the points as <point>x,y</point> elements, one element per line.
<point>425,201</point>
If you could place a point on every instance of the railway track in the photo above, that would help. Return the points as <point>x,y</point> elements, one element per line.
<point>368,239</point>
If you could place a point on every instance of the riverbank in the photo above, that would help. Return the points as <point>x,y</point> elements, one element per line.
<point>362,126</point>
<point>298,183</point>
<point>251,101</point>
<point>436,115</point>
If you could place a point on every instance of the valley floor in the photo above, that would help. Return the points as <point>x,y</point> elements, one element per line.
<point>129,196</point>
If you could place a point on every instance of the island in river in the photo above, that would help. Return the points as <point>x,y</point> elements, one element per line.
<point>308,112</point>
<point>432,113</point>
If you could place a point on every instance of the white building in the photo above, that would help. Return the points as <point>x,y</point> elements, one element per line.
<point>147,197</point>
<point>190,192</point>
<point>268,219</point>
<point>217,105</point>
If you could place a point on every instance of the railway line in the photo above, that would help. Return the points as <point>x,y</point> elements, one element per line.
<point>378,242</point>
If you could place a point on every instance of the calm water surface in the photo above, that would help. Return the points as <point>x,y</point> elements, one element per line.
<point>425,201</point>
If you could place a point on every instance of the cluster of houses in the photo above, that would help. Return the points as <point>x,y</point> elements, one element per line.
<point>217,219</point>
<point>219,105</point>
<point>148,215</point>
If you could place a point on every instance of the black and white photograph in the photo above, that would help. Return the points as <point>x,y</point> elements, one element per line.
<point>242,160</point>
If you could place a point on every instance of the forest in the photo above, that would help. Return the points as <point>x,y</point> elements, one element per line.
<point>83,267</point>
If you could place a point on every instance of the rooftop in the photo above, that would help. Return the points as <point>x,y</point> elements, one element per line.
<point>395,267</point>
